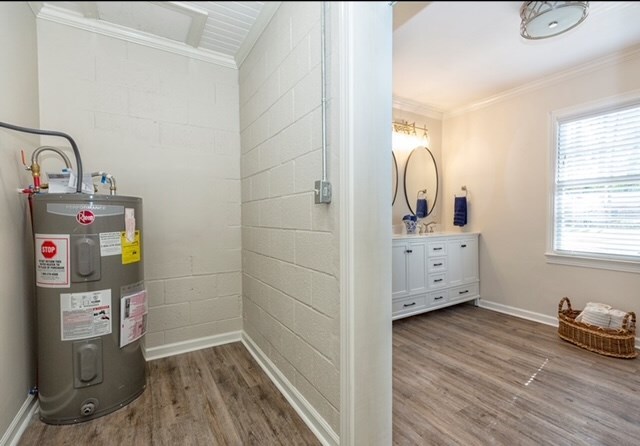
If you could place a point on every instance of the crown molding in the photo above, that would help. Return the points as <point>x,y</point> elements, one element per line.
<point>419,108</point>
<point>262,21</point>
<point>36,7</point>
<point>70,18</point>
<point>547,81</point>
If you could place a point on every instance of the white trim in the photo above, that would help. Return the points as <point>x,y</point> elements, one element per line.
<point>262,21</point>
<point>526,314</point>
<point>36,7</point>
<point>197,15</point>
<point>544,82</point>
<point>20,422</point>
<point>610,264</point>
<point>347,319</point>
<point>66,17</point>
<point>597,105</point>
<point>601,105</point>
<point>419,108</point>
<point>309,415</point>
<point>365,276</point>
<point>163,351</point>
<point>522,314</point>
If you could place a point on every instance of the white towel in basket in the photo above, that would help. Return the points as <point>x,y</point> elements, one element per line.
<point>617,317</point>
<point>595,313</point>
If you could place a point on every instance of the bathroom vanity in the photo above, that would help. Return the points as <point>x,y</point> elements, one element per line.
<point>432,271</point>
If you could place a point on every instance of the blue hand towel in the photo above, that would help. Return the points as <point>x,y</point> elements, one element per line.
<point>421,208</point>
<point>460,211</point>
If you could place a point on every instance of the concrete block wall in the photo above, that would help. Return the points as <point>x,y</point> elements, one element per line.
<point>290,245</point>
<point>167,127</point>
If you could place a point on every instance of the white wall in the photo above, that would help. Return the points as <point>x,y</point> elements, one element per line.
<point>167,127</point>
<point>400,208</point>
<point>290,245</point>
<point>502,153</point>
<point>365,139</point>
<point>19,106</point>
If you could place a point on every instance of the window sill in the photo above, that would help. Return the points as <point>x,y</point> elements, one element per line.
<point>628,266</point>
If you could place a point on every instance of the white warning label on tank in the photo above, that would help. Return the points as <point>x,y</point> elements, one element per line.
<point>52,260</point>
<point>85,315</point>
<point>110,244</point>
<point>133,317</point>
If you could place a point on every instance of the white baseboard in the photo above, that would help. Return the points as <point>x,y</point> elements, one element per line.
<point>523,314</point>
<point>20,422</point>
<point>526,314</point>
<point>309,415</point>
<point>163,351</point>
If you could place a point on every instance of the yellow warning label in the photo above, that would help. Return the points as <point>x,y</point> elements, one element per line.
<point>130,250</point>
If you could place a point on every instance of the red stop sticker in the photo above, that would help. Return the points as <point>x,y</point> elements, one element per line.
<point>48,249</point>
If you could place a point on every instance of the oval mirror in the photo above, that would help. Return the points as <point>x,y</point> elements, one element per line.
<point>394,178</point>
<point>421,174</point>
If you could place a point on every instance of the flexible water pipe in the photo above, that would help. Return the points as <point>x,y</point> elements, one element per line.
<point>110,178</point>
<point>36,153</point>
<point>74,146</point>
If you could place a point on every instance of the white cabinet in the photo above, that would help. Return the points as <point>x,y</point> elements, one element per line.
<point>433,271</point>
<point>409,264</point>
<point>463,260</point>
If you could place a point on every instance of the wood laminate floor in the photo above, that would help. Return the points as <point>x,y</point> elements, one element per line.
<point>461,376</point>
<point>469,376</point>
<point>215,396</point>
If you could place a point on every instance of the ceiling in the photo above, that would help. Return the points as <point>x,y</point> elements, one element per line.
<point>449,55</point>
<point>221,30</point>
<point>446,54</point>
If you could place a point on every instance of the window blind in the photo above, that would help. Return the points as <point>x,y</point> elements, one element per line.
<point>597,187</point>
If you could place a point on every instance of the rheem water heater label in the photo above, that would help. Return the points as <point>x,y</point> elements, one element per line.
<point>52,260</point>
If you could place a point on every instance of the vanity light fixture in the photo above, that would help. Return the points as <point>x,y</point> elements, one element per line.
<point>541,20</point>
<point>404,127</point>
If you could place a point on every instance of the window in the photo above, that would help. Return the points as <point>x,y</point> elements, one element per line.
<point>596,199</point>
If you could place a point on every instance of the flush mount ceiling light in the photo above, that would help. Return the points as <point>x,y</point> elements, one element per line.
<point>547,19</point>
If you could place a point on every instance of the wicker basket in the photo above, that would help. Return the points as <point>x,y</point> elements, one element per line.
<point>619,343</point>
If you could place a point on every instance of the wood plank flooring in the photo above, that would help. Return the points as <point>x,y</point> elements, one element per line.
<point>469,376</point>
<point>461,376</point>
<point>215,396</point>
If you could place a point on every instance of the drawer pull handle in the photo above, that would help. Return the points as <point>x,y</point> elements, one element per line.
<point>409,305</point>
<point>409,251</point>
<point>437,249</point>
<point>463,246</point>
<point>437,264</point>
<point>463,292</point>
<point>437,280</point>
<point>438,298</point>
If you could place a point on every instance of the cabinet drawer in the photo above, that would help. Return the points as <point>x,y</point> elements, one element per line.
<point>437,298</point>
<point>437,280</point>
<point>464,292</point>
<point>437,264</point>
<point>409,304</point>
<point>435,249</point>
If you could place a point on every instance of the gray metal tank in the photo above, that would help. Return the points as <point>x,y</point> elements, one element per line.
<point>91,304</point>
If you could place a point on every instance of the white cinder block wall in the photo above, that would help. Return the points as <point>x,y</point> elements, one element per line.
<point>501,152</point>
<point>167,127</point>
<point>290,245</point>
<point>18,105</point>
